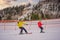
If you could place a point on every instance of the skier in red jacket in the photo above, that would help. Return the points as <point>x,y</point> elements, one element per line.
<point>40,26</point>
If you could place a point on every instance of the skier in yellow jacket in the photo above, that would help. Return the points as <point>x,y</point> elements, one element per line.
<point>20,26</point>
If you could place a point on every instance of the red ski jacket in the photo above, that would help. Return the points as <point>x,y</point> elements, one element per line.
<point>39,24</point>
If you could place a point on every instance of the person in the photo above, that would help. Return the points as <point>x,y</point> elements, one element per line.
<point>40,26</point>
<point>20,26</point>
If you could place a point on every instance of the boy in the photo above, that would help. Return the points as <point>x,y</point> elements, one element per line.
<point>20,25</point>
<point>40,26</point>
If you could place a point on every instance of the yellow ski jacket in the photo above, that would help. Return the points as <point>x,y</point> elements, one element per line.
<point>20,23</point>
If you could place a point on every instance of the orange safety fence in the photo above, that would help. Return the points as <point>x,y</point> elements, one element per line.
<point>5,21</point>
